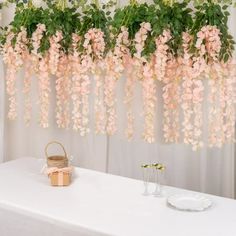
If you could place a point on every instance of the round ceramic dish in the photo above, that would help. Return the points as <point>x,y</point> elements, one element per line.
<point>189,202</point>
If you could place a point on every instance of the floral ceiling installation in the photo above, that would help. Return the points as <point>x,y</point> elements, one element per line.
<point>188,52</point>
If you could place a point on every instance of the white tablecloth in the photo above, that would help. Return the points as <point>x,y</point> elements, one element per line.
<point>98,204</point>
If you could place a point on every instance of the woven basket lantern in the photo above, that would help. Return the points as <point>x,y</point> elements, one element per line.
<point>56,161</point>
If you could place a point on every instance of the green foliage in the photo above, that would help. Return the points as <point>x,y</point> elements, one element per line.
<point>217,15</point>
<point>177,18</point>
<point>79,16</point>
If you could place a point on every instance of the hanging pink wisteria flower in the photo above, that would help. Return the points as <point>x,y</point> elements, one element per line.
<point>139,40</point>
<point>27,89</point>
<point>99,104</point>
<point>230,113</point>
<point>63,85</point>
<point>76,87</point>
<point>222,104</point>
<point>208,42</point>
<point>115,68</point>
<point>171,101</point>
<point>198,89</point>
<point>41,67</point>
<point>122,59</point>
<point>13,57</point>
<point>161,54</point>
<point>36,43</point>
<point>94,46</point>
<point>86,63</point>
<point>10,60</point>
<point>129,97</point>
<point>54,52</point>
<point>149,99</point>
<point>110,95</point>
<point>145,72</point>
<point>44,91</point>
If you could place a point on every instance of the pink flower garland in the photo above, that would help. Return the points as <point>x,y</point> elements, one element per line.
<point>99,106</point>
<point>186,98</point>
<point>13,57</point>
<point>32,61</point>
<point>198,89</point>
<point>213,126</point>
<point>161,54</point>
<point>212,45</point>
<point>149,99</point>
<point>76,87</point>
<point>115,68</point>
<point>129,97</point>
<point>63,92</point>
<point>122,59</point>
<point>139,39</point>
<point>171,100</point>
<point>187,110</point>
<point>36,41</point>
<point>193,94</point>
<point>10,60</point>
<point>94,43</point>
<point>145,72</point>
<point>44,91</point>
<point>166,68</point>
<point>230,101</point>
<point>222,100</point>
<point>27,89</point>
<point>86,64</point>
<point>54,52</point>
<point>41,66</point>
<point>109,94</point>
<point>191,69</point>
<point>209,46</point>
<point>94,46</point>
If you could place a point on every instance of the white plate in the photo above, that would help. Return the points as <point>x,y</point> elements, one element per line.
<point>189,202</point>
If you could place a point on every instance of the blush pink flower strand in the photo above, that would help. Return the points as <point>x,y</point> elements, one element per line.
<point>14,59</point>
<point>10,60</point>
<point>36,43</point>
<point>161,54</point>
<point>74,73</point>
<point>171,102</point>
<point>63,85</point>
<point>129,99</point>
<point>76,86</point>
<point>94,45</point>
<point>54,52</point>
<point>99,104</point>
<point>111,78</point>
<point>139,40</point>
<point>149,103</point>
<point>44,91</point>
<point>27,88</point>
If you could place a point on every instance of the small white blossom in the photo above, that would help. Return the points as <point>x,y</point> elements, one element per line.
<point>37,3</point>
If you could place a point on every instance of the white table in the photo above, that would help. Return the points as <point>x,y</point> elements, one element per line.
<point>98,204</point>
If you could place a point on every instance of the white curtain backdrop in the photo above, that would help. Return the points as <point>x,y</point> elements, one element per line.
<point>207,170</point>
<point>2,105</point>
